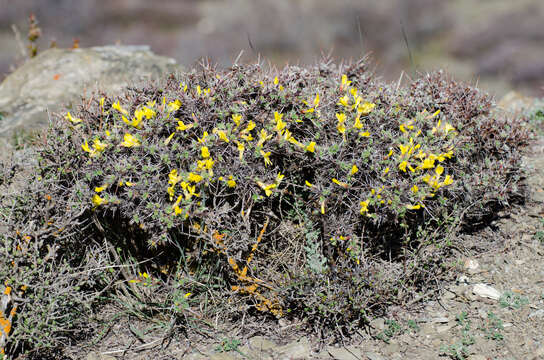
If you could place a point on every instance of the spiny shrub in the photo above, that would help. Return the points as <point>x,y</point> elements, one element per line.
<point>318,194</point>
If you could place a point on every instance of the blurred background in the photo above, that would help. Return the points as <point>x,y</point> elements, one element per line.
<point>497,44</point>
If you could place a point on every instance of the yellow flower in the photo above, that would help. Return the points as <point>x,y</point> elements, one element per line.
<point>149,113</point>
<point>344,100</point>
<point>345,82</point>
<point>151,103</point>
<point>99,189</point>
<point>366,108</point>
<point>280,125</point>
<point>447,180</point>
<point>130,141</point>
<point>403,165</point>
<point>439,170</point>
<point>231,182</point>
<point>414,207</point>
<point>364,207</point>
<point>311,147</point>
<point>276,81</point>
<point>322,206</point>
<point>263,136</point>
<point>267,188</point>
<point>428,163</point>
<point>236,119</point>
<point>448,128</point>
<point>222,135</point>
<point>173,177</point>
<point>118,107</point>
<point>279,178</point>
<point>315,104</point>
<point>358,124</point>
<point>340,183</point>
<point>72,119</point>
<point>198,90</point>
<point>308,184</point>
<point>354,169</point>
<point>194,177</point>
<point>386,170</point>
<point>183,127</point>
<point>364,134</point>
<point>174,105</point>
<point>241,149</point>
<point>136,121</point>
<point>205,152</point>
<point>85,147</point>
<point>414,189</point>
<point>97,200</point>
<point>169,138</point>
<point>266,157</point>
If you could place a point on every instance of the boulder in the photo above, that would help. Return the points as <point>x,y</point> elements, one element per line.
<point>58,78</point>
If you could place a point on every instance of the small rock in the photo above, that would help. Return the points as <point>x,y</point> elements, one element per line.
<point>441,320</point>
<point>347,353</point>
<point>378,324</point>
<point>538,313</point>
<point>463,279</point>
<point>373,356</point>
<point>486,291</point>
<point>471,266</point>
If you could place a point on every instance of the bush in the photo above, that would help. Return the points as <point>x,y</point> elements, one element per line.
<point>317,194</point>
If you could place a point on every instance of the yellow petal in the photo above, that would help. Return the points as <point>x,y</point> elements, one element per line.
<point>311,147</point>
<point>354,169</point>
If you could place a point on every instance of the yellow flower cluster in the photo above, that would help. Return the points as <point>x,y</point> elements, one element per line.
<point>419,162</point>
<point>352,101</point>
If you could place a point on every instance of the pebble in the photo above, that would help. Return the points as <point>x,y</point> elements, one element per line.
<point>538,313</point>
<point>471,266</point>
<point>486,291</point>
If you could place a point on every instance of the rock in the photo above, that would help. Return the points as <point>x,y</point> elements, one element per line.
<point>378,324</point>
<point>345,353</point>
<point>60,77</point>
<point>295,350</point>
<point>471,266</point>
<point>442,319</point>
<point>463,279</point>
<point>538,314</point>
<point>486,291</point>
